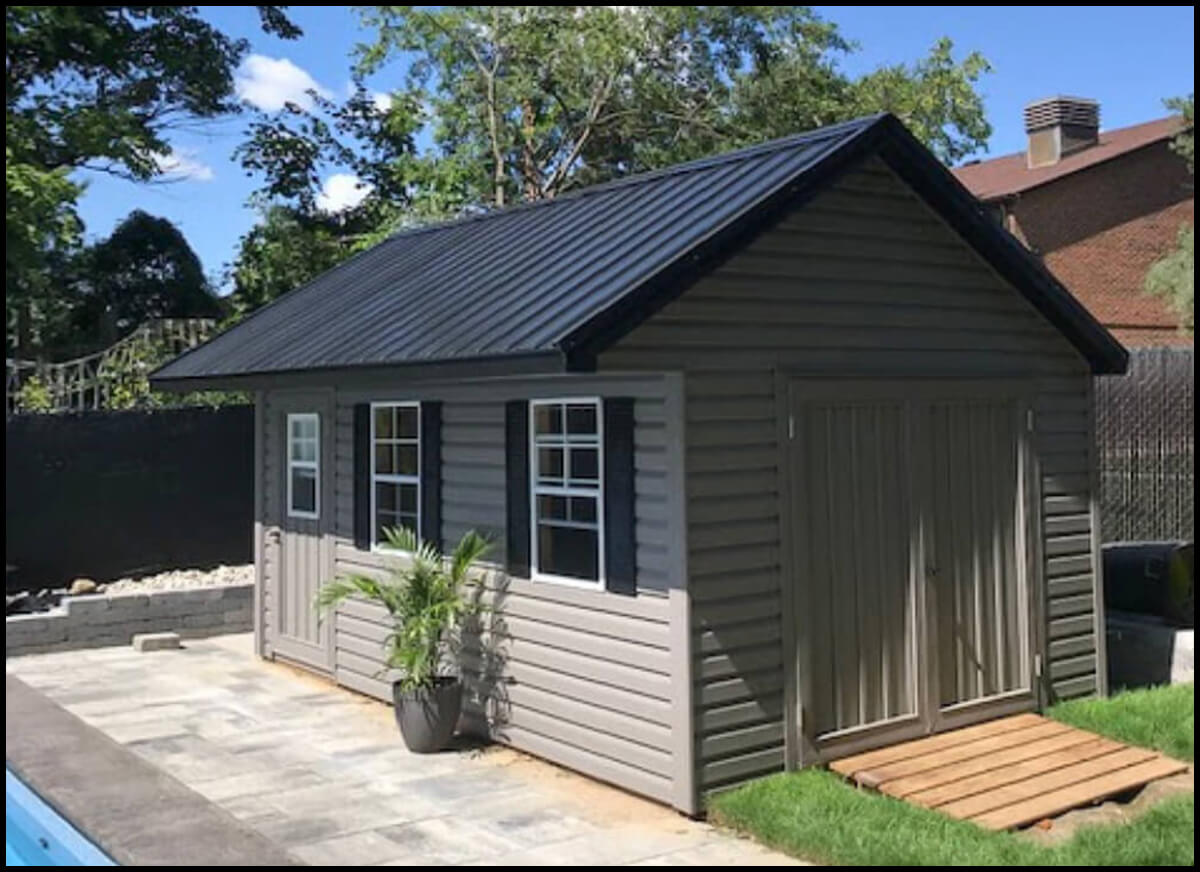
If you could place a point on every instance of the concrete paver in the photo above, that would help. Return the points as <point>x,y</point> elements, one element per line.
<point>322,772</point>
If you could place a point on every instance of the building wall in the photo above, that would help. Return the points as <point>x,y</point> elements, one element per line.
<point>1100,229</point>
<point>580,677</point>
<point>863,280</point>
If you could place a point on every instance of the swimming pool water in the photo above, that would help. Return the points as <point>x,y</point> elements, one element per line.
<point>36,835</point>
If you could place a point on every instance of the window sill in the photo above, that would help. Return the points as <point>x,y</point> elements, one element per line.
<point>567,581</point>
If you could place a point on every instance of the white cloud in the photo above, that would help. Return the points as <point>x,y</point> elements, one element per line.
<point>270,83</point>
<point>382,101</point>
<point>342,191</point>
<point>183,165</point>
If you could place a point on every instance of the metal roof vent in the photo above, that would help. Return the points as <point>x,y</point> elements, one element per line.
<point>1059,126</point>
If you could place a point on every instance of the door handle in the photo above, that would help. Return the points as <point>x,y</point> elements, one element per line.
<point>274,535</point>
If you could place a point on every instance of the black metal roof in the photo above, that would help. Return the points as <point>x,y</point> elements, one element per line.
<point>566,277</point>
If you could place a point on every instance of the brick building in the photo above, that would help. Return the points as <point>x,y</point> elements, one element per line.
<point>1100,207</point>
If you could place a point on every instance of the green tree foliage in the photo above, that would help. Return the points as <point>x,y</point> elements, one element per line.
<point>523,103</point>
<point>1173,276</point>
<point>1184,144</point>
<point>295,238</point>
<point>527,102</point>
<point>98,88</point>
<point>283,251</point>
<point>144,270</point>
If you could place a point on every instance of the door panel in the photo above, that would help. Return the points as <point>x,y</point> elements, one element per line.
<point>860,613</point>
<point>911,598</point>
<point>976,586</point>
<point>303,549</point>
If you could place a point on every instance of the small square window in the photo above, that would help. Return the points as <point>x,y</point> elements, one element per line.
<point>550,465</point>
<point>548,419</point>
<point>568,552</point>
<point>581,419</point>
<point>585,464</point>
<point>385,422</point>
<point>304,490</point>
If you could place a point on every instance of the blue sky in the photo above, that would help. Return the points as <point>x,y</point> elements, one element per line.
<point>1129,58</point>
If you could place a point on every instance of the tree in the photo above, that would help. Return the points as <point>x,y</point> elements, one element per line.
<point>527,102</point>
<point>41,234</point>
<point>98,88</point>
<point>282,252</point>
<point>935,97</point>
<point>1173,276</point>
<point>523,103</point>
<point>1184,143</point>
<point>144,270</point>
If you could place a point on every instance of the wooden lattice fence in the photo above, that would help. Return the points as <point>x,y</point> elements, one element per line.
<point>85,383</point>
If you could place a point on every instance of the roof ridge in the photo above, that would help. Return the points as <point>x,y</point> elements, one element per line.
<point>771,146</point>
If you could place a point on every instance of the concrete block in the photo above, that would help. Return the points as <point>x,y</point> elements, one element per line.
<point>204,619</point>
<point>155,641</point>
<point>129,601</point>
<point>239,617</point>
<point>41,628</point>
<point>86,606</point>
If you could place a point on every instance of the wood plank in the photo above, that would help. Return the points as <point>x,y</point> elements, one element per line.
<point>857,762</point>
<point>984,747</point>
<point>975,776</point>
<point>1103,784</point>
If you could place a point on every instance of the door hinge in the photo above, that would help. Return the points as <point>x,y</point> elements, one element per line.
<point>1029,420</point>
<point>791,426</point>
<point>1037,665</point>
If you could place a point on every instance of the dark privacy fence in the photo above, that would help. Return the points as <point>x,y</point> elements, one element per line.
<point>1146,439</point>
<point>107,494</point>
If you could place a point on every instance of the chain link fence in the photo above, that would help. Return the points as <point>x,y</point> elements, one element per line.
<point>1145,432</point>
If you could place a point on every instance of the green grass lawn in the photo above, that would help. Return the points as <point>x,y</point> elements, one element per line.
<point>816,816</point>
<point>1162,718</point>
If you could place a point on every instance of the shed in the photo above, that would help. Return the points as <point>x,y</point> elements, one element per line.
<point>787,452</point>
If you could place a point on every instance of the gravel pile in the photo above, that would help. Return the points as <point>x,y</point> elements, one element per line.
<point>26,602</point>
<point>185,579</point>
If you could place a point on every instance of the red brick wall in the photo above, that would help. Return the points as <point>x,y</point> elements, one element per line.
<point>1099,231</point>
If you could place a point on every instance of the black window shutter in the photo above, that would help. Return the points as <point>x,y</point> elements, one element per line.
<point>620,534</point>
<point>516,437</point>
<point>362,476</point>
<point>431,473</point>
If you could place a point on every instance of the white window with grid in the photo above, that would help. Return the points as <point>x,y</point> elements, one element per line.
<point>395,469</point>
<point>304,465</point>
<point>566,471</point>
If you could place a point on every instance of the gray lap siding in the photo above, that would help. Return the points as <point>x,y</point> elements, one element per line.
<point>863,281</point>
<point>581,677</point>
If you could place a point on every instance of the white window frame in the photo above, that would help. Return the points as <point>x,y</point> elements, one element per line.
<point>394,478</point>
<point>314,465</point>
<point>566,491</point>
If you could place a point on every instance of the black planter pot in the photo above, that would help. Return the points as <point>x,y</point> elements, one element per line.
<point>427,716</point>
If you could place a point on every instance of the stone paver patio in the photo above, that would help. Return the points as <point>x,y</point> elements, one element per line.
<point>322,772</point>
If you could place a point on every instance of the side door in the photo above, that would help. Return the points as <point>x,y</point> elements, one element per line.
<point>300,542</point>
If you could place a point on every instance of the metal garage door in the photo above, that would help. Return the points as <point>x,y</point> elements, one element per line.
<point>908,559</point>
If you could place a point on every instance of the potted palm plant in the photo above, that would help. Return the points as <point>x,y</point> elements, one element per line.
<point>427,596</point>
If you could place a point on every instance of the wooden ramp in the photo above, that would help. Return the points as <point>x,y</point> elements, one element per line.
<point>1009,772</point>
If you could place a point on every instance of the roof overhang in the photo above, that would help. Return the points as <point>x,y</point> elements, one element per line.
<point>476,368</point>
